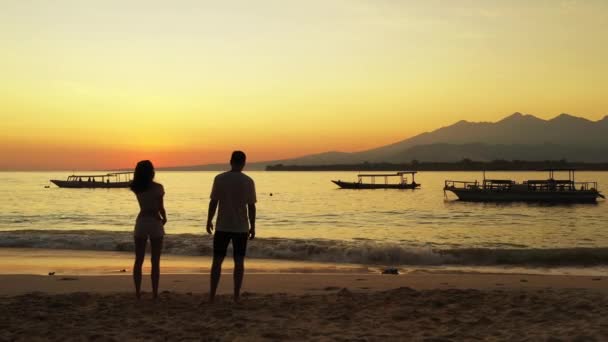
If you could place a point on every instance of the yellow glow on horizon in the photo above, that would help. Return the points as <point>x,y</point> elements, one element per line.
<point>192,80</point>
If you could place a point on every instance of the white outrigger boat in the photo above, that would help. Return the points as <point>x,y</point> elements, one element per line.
<point>108,180</point>
<point>505,190</point>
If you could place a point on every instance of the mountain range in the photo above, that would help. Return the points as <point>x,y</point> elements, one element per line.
<point>518,136</point>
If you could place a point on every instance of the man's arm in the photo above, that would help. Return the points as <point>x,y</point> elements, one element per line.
<point>210,214</point>
<point>251,214</point>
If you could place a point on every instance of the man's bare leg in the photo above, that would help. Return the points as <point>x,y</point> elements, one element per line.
<point>239,272</point>
<point>216,272</point>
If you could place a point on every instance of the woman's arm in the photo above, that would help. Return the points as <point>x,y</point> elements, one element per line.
<point>161,210</point>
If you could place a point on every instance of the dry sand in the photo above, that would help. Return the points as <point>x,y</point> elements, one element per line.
<point>417,306</point>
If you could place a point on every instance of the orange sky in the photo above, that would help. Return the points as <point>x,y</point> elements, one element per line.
<point>101,85</point>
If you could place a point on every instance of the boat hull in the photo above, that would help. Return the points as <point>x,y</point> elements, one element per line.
<point>361,186</point>
<point>90,185</point>
<point>471,195</point>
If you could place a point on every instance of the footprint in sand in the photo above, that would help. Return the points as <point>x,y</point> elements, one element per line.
<point>331,288</point>
<point>68,278</point>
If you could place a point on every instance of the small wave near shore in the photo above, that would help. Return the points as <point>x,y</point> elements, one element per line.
<point>320,250</point>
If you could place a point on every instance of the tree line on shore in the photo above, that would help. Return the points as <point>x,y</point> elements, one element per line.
<point>463,165</point>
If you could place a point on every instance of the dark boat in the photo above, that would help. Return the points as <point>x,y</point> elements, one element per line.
<point>548,190</point>
<point>403,184</point>
<point>105,181</point>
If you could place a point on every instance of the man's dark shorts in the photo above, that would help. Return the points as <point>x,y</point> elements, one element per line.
<point>221,240</point>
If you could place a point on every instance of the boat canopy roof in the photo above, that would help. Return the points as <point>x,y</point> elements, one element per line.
<point>558,169</point>
<point>549,181</point>
<point>398,174</point>
<point>498,181</point>
<point>85,176</point>
<point>103,175</point>
<point>551,174</point>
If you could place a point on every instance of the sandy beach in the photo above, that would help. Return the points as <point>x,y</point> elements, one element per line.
<point>366,307</point>
<point>366,170</point>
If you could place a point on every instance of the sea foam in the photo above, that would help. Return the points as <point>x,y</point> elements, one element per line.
<point>357,252</point>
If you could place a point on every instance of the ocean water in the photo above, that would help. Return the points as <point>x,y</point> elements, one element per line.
<point>303,216</point>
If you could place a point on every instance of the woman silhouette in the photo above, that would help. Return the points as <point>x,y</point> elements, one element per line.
<point>149,224</point>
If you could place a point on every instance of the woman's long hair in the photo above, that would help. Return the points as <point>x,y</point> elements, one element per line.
<point>143,177</point>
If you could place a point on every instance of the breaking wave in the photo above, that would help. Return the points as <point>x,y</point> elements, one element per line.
<point>357,252</point>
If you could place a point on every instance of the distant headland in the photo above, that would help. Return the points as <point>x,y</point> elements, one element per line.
<point>463,165</point>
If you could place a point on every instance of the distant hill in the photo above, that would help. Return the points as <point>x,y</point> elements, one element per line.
<point>518,136</point>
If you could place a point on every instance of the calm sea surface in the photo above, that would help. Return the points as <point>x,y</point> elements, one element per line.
<point>303,215</point>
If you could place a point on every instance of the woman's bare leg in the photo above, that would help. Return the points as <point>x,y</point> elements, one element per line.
<point>140,253</point>
<point>157,246</point>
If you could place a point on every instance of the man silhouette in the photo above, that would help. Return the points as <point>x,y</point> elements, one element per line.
<point>234,192</point>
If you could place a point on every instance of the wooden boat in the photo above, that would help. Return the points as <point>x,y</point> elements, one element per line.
<point>403,184</point>
<point>548,190</point>
<point>106,181</point>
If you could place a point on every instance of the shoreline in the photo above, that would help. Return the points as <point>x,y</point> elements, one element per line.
<point>372,254</point>
<point>26,270</point>
<point>41,261</point>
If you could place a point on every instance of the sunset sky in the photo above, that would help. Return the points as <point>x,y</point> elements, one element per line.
<point>102,84</point>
